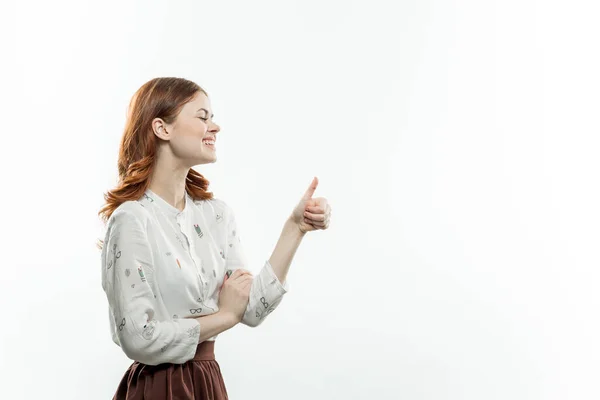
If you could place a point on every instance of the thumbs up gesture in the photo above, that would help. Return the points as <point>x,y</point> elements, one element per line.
<point>312,213</point>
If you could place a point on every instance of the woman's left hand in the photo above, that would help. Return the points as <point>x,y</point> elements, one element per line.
<point>312,214</point>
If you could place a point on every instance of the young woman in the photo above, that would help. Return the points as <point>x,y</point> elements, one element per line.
<point>173,266</point>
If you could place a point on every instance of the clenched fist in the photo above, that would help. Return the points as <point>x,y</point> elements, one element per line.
<point>234,294</point>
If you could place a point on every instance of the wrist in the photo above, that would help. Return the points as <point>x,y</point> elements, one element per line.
<point>229,318</point>
<point>293,228</point>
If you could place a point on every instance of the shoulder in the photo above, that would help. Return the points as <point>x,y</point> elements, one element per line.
<point>131,212</point>
<point>218,207</point>
<point>216,204</point>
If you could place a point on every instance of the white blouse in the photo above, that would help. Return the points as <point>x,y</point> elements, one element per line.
<point>162,267</point>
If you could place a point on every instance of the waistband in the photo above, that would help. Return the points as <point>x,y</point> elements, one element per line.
<point>205,351</point>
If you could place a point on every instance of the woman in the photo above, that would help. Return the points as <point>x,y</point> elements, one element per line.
<point>170,246</point>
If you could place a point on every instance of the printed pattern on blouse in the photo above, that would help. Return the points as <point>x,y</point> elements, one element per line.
<point>163,268</point>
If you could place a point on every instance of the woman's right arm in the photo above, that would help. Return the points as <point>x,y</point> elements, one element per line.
<point>216,323</point>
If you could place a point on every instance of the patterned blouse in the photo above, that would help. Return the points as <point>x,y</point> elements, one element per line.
<point>162,267</point>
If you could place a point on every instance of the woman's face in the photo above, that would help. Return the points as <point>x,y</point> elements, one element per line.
<point>191,136</point>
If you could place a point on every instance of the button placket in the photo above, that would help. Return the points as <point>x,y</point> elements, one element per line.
<point>183,225</point>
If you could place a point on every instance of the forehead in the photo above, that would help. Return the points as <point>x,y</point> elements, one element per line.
<point>198,102</point>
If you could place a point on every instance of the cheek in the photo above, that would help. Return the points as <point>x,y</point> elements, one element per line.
<point>192,133</point>
<point>188,141</point>
<point>192,129</point>
<point>184,145</point>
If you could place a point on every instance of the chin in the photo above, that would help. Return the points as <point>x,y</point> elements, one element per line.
<point>211,160</point>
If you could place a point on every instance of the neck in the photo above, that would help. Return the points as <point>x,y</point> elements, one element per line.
<point>168,180</point>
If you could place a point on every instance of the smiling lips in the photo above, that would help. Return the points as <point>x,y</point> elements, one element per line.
<point>210,143</point>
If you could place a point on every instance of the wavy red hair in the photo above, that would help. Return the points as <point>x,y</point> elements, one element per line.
<point>158,98</point>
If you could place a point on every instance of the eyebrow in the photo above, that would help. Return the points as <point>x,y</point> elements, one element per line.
<point>204,109</point>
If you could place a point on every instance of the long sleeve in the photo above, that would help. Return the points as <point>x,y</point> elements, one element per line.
<point>127,279</point>
<point>267,291</point>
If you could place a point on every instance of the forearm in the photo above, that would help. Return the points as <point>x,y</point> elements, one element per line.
<point>285,249</point>
<point>213,324</point>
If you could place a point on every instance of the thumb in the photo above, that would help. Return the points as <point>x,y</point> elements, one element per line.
<point>311,189</point>
<point>224,280</point>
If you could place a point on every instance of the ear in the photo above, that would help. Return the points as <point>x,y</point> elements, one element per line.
<point>159,128</point>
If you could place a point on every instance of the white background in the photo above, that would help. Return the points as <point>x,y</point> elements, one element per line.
<point>456,141</point>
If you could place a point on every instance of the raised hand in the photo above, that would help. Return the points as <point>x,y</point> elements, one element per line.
<point>312,213</point>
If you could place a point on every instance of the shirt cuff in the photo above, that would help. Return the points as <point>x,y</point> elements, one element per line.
<point>190,330</point>
<point>284,287</point>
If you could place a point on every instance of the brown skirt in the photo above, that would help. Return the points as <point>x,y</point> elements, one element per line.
<point>197,379</point>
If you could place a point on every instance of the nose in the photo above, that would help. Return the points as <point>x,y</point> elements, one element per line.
<point>214,128</point>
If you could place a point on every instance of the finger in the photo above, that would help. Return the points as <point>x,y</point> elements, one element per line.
<point>239,272</point>
<point>314,209</point>
<point>244,285</point>
<point>327,213</point>
<point>316,224</point>
<point>311,189</point>
<point>246,292</point>
<point>224,280</point>
<point>247,284</point>
<point>318,208</point>
<point>242,278</point>
<point>309,222</point>
<point>314,217</point>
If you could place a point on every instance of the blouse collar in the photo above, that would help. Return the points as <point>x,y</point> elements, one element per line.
<point>166,207</point>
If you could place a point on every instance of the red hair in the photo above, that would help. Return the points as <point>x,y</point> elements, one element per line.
<point>158,98</point>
